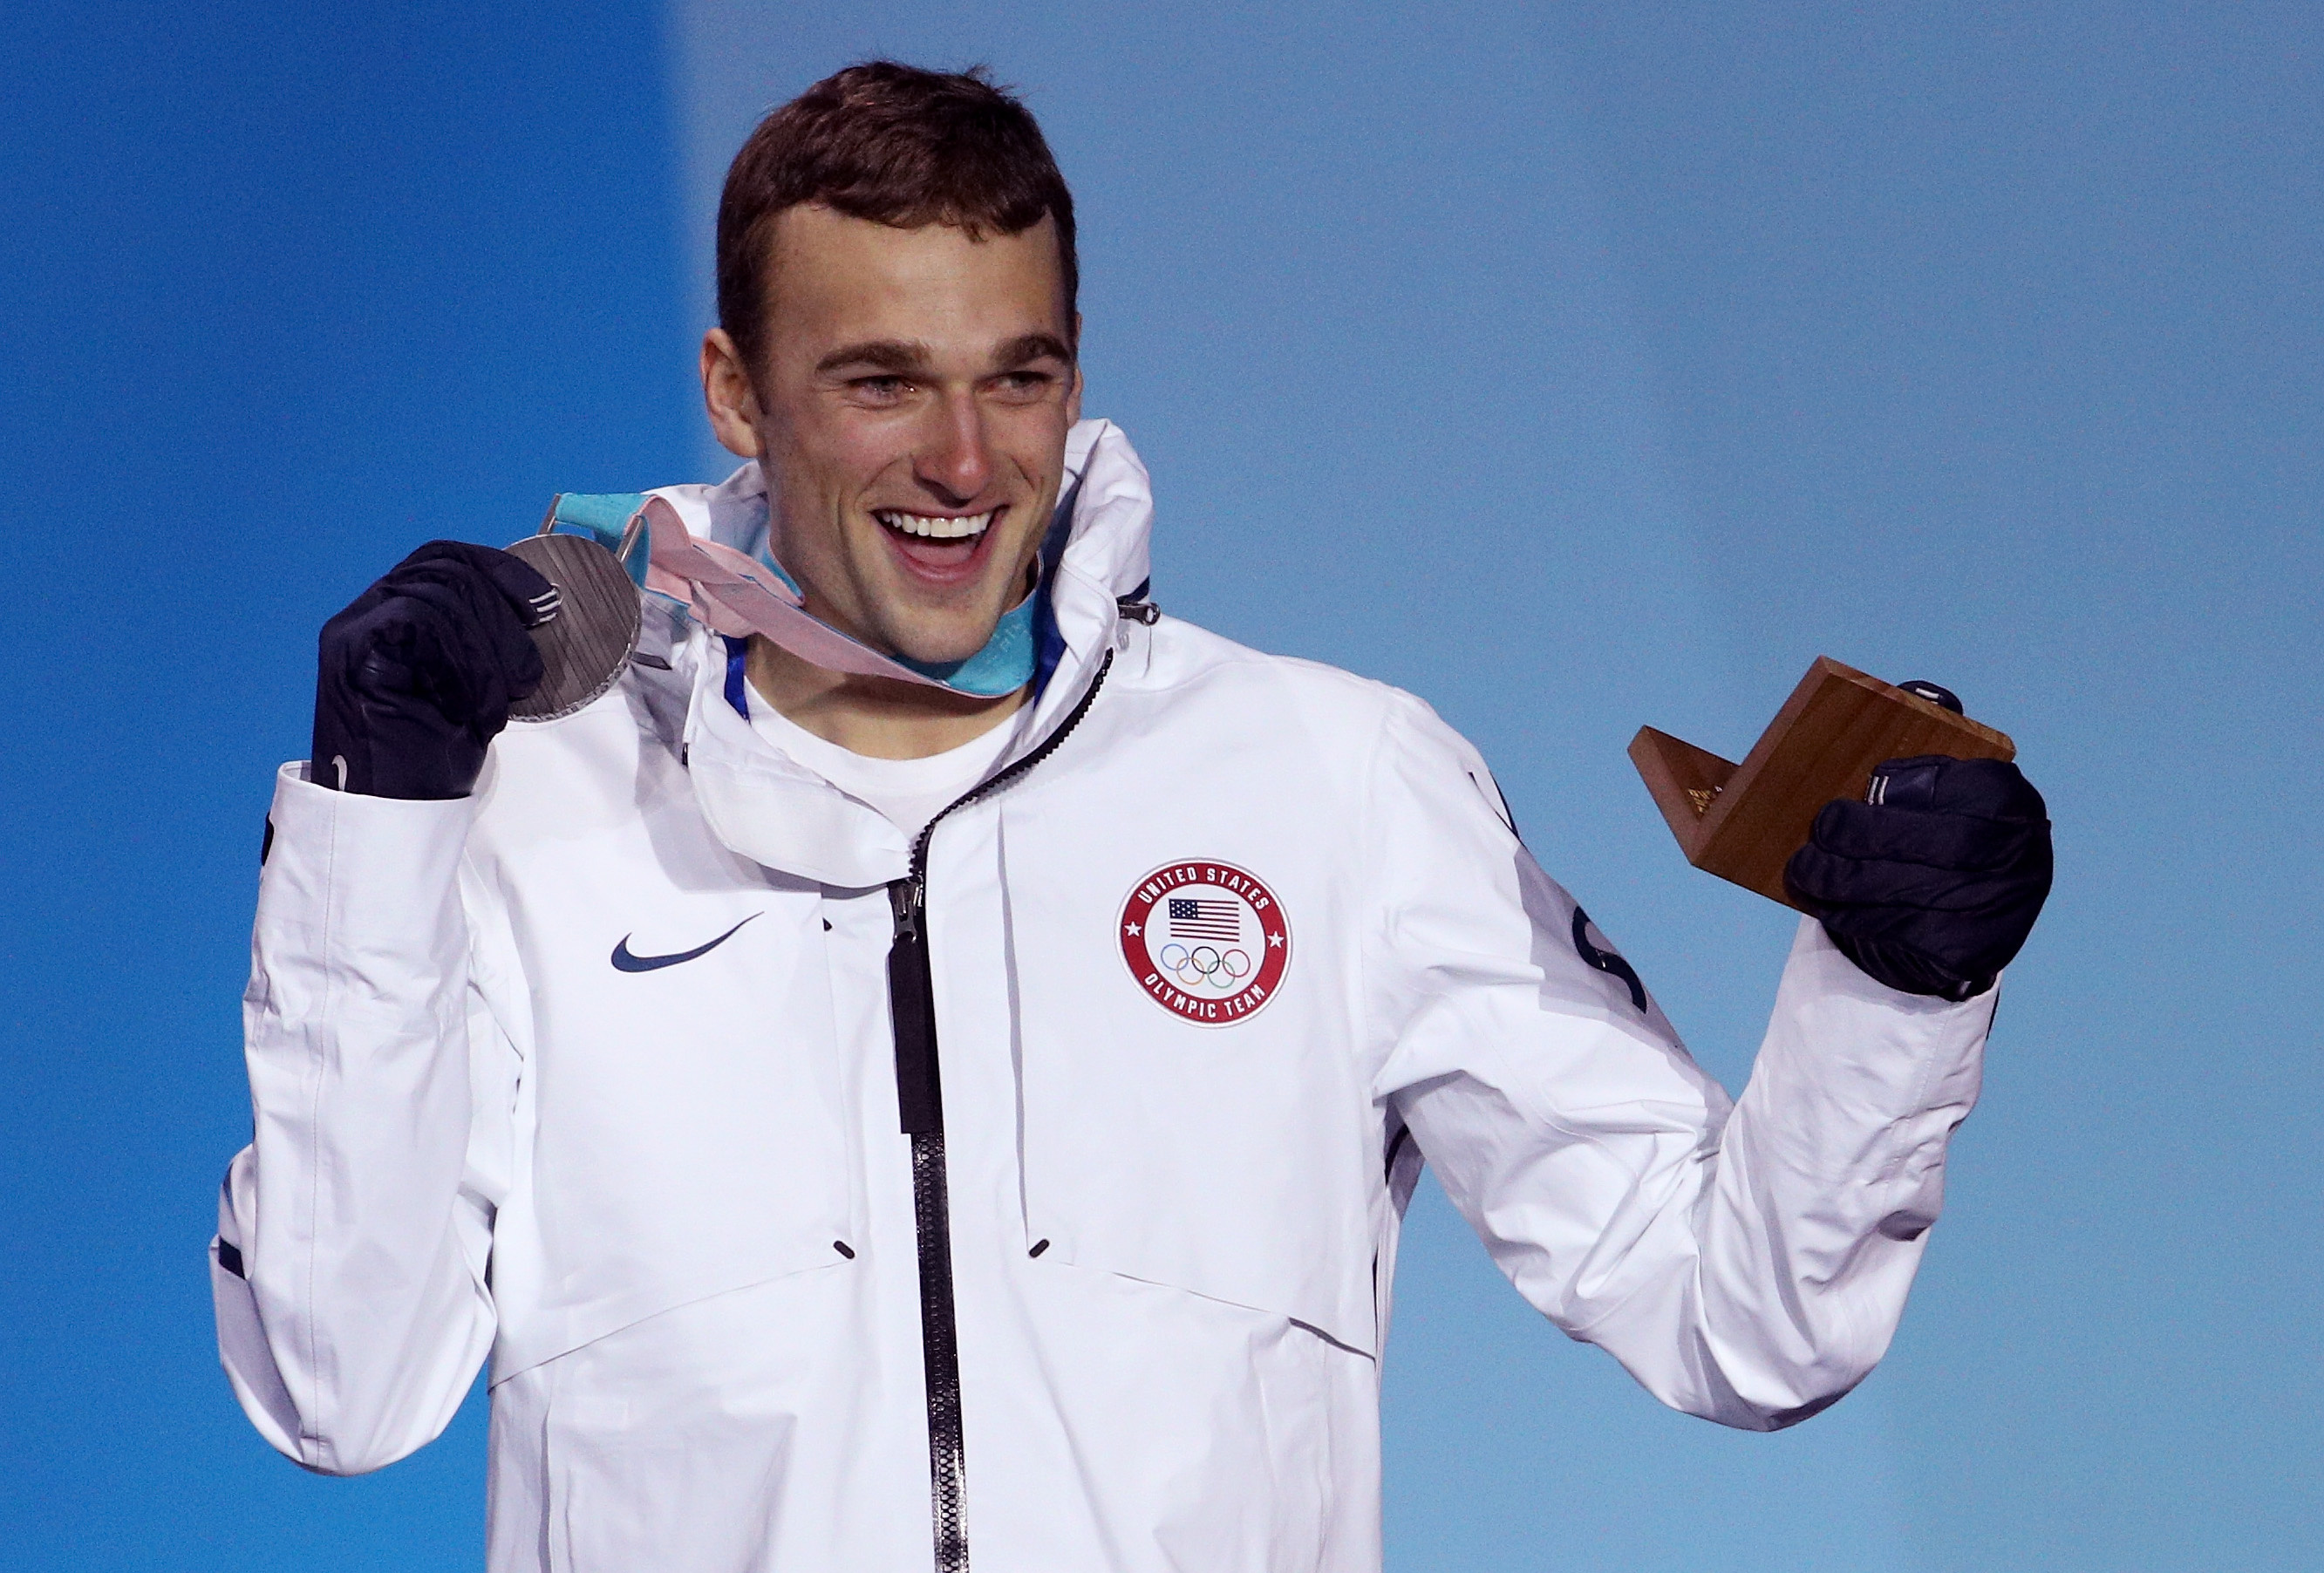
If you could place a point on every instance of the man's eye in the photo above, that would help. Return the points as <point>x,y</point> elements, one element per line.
<point>882,387</point>
<point>1023,384</point>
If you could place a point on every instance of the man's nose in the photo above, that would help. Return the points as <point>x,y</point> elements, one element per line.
<point>955,457</point>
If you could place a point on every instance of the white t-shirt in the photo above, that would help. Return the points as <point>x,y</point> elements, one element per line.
<point>909,792</point>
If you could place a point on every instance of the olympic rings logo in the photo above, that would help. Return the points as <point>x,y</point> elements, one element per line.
<point>1204,964</point>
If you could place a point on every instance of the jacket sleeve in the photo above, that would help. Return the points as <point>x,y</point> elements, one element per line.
<point>1746,1263</point>
<point>348,1273</point>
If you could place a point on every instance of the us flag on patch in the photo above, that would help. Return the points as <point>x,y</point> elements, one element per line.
<point>1205,920</point>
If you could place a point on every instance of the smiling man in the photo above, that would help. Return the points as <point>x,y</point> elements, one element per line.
<point>909,404</point>
<point>941,1075</point>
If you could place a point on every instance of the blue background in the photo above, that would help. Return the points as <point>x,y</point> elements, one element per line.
<point>1575,367</point>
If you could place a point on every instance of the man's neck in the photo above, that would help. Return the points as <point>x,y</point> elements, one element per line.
<point>879,718</point>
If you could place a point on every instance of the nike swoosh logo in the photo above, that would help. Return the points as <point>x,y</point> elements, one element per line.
<point>625,960</point>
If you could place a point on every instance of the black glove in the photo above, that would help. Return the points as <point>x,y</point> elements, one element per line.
<point>416,675</point>
<point>1932,886</point>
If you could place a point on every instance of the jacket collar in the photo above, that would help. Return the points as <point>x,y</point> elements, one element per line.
<point>778,812</point>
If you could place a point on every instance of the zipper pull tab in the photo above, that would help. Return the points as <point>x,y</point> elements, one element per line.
<point>903,900</point>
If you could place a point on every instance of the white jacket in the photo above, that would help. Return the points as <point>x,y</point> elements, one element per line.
<point>595,1071</point>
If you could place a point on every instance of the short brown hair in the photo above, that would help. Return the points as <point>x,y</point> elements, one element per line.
<point>897,146</point>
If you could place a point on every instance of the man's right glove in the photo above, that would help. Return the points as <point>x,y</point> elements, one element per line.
<point>1932,886</point>
<point>416,677</point>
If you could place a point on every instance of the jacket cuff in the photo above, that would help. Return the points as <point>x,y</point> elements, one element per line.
<point>1865,1055</point>
<point>321,841</point>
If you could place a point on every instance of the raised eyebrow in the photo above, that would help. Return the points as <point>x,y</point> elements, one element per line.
<point>887,355</point>
<point>1030,347</point>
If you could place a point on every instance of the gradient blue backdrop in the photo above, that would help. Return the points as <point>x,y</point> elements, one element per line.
<point>1574,366</point>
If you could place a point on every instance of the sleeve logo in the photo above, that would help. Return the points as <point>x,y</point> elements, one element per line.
<point>1595,950</point>
<point>1207,942</point>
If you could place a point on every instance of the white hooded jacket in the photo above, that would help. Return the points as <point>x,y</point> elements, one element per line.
<point>606,1070</point>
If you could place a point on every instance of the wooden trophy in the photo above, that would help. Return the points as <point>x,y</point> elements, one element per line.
<point>1744,822</point>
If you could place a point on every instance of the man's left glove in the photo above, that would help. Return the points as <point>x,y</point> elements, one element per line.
<point>416,677</point>
<point>1933,885</point>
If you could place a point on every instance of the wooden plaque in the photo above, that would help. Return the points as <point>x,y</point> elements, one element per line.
<point>1744,822</point>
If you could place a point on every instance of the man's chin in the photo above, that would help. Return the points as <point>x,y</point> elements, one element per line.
<point>941,652</point>
<point>930,635</point>
<point>939,638</point>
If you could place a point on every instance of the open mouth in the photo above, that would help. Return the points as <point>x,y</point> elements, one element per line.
<point>941,546</point>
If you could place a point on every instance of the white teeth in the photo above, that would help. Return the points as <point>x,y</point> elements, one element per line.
<point>935,528</point>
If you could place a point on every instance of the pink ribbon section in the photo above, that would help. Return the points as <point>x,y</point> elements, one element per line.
<point>735,596</point>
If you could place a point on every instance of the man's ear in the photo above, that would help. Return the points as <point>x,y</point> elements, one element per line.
<point>727,394</point>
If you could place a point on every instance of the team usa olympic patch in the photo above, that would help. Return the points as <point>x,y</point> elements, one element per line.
<point>1206,941</point>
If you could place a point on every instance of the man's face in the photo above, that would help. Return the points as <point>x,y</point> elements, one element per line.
<point>911,412</point>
